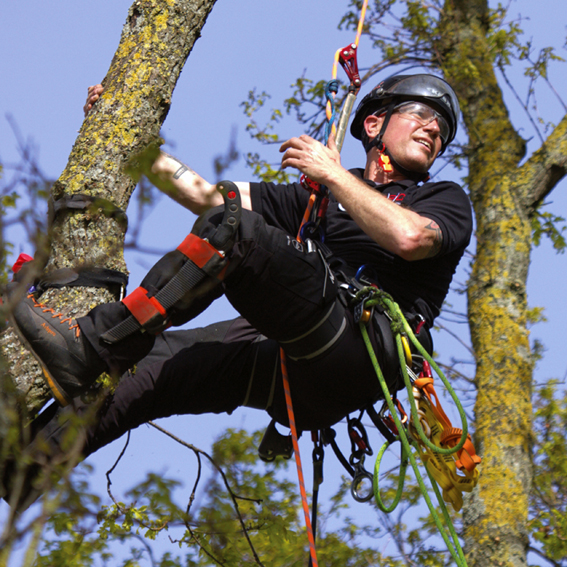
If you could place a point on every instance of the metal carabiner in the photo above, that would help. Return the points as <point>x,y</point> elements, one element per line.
<point>387,418</point>
<point>362,485</point>
<point>358,437</point>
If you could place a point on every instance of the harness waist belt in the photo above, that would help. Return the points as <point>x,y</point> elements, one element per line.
<point>320,337</point>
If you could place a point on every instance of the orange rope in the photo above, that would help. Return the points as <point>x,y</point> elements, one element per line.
<point>291,418</point>
<point>306,215</point>
<point>328,110</point>
<point>290,413</point>
<point>361,22</point>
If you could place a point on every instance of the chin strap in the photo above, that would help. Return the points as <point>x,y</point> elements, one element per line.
<point>386,161</point>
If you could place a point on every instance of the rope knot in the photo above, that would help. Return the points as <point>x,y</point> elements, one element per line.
<point>332,87</point>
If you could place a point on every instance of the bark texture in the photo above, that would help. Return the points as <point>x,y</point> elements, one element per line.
<point>156,40</point>
<point>504,195</point>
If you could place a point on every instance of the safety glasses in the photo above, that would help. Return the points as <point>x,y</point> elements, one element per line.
<point>424,115</point>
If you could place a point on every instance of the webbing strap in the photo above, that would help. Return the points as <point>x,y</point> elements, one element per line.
<point>184,281</point>
<point>79,201</point>
<point>142,307</point>
<point>199,251</point>
<point>320,337</point>
<point>467,457</point>
<point>151,313</point>
<point>112,280</point>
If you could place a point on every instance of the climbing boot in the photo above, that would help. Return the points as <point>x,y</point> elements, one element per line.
<point>68,362</point>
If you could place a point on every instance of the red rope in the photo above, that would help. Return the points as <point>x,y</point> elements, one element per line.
<point>291,418</point>
<point>287,392</point>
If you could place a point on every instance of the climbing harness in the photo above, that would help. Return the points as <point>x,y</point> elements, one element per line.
<point>446,452</point>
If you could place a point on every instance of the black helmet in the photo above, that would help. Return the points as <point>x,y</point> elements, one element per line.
<point>430,89</point>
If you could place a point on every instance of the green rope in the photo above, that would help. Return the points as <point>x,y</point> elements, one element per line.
<point>399,325</point>
<point>401,479</point>
<point>371,297</point>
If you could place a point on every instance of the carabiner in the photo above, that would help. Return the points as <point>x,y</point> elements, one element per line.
<point>359,443</point>
<point>362,485</point>
<point>313,231</point>
<point>388,420</point>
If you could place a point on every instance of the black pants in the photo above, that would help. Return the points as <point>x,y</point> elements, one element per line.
<point>282,290</point>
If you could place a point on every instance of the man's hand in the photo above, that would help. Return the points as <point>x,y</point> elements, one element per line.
<point>93,94</point>
<point>320,163</point>
<point>170,175</point>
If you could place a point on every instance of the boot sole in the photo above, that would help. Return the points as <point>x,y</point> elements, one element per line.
<point>56,391</point>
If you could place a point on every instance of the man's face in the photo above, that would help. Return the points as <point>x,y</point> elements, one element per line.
<point>413,144</point>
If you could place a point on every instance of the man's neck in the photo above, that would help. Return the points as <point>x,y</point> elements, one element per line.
<point>374,171</point>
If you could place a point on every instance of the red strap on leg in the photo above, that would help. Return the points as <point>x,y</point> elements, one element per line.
<point>199,251</point>
<point>144,308</point>
<point>148,311</point>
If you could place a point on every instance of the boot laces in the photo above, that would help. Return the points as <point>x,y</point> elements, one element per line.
<point>73,325</point>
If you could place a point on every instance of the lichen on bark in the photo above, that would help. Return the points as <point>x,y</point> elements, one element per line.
<point>156,40</point>
<point>504,194</point>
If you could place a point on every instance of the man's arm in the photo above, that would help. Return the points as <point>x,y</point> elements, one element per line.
<point>189,189</point>
<point>397,229</point>
<point>176,179</point>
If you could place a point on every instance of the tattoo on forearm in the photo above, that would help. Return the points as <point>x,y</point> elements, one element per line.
<point>180,172</point>
<point>182,169</point>
<point>437,239</point>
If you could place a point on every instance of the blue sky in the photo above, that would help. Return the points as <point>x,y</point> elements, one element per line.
<point>51,50</point>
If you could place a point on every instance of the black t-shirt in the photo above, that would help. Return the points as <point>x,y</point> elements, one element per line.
<point>420,285</point>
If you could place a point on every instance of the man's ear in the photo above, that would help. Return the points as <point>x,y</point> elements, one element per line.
<point>372,125</point>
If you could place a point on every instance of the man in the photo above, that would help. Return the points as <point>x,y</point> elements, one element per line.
<point>386,219</point>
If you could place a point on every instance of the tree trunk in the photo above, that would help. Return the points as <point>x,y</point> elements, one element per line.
<point>504,197</point>
<point>155,43</point>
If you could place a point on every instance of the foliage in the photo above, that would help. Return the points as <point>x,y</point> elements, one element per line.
<point>548,505</point>
<point>407,34</point>
<point>79,532</point>
<point>270,506</point>
<point>546,224</point>
<point>261,168</point>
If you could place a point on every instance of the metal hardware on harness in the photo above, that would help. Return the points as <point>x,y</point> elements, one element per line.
<point>362,313</point>
<point>318,455</point>
<point>359,448</point>
<point>274,444</point>
<point>310,226</point>
<point>388,420</point>
<point>361,487</point>
<point>358,437</point>
<point>356,285</point>
<point>311,185</point>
